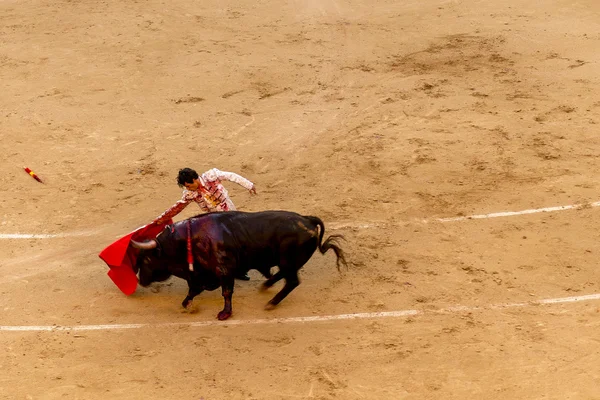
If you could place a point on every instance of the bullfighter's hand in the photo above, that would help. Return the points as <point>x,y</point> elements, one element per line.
<point>253,190</point>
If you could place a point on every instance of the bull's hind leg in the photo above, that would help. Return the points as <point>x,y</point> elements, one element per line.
<point>192,292</point>
<point>291,282</point>
<point>273,279</point>
<point>294,255</point>
<point>227,284</point>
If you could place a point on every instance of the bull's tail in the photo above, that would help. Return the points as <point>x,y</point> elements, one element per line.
<point>332,242</point>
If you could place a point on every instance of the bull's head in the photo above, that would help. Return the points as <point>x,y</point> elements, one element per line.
<point>150,266</point>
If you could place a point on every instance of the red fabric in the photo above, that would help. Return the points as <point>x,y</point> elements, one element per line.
<point>121,258</point>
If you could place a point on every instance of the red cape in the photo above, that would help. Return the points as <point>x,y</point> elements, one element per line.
<point>121,258</point>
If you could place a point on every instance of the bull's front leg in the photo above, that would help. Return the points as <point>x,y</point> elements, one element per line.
<point>227,283</point>
<point>194,290</point>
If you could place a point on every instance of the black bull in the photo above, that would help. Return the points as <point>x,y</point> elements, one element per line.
<point>227,244</point>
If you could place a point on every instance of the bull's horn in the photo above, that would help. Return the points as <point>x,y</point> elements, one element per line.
<point>150,244</point>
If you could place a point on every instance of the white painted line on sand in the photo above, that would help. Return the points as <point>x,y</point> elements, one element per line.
<point>337,225</point>
<point>31,235</point>
<point>322,318</point>
<point>377,224</point>
<point>523,212</point>
<point>46,235</point>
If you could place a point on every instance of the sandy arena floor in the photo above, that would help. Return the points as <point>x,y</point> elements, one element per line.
<point>381,117</point>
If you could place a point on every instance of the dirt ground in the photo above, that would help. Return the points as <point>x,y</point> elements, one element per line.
<point>378,116</point>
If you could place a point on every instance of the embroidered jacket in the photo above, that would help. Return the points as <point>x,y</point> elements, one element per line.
<point>211,195</point>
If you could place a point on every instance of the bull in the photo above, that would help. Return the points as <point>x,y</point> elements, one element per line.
<point>229,244</point>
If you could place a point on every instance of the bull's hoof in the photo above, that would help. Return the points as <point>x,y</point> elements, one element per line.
<point>270,306</point>
<point>187,304</point>
<point>223,315</point>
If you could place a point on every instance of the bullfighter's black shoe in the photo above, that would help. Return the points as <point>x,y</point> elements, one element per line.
<point>243,277</point>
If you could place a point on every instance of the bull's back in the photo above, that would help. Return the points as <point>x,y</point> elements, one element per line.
<point>264,231</point>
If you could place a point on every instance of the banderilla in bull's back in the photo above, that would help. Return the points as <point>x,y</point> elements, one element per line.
<point>228,244</point>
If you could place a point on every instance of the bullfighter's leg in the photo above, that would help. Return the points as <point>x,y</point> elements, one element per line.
<point>227,284</point>
<point>192,292</point>
<point>242,276</point>
<point>291,282</point>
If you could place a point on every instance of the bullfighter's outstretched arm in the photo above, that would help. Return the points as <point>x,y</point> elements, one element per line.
<point>214,174</point>
<point>176,208</point>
